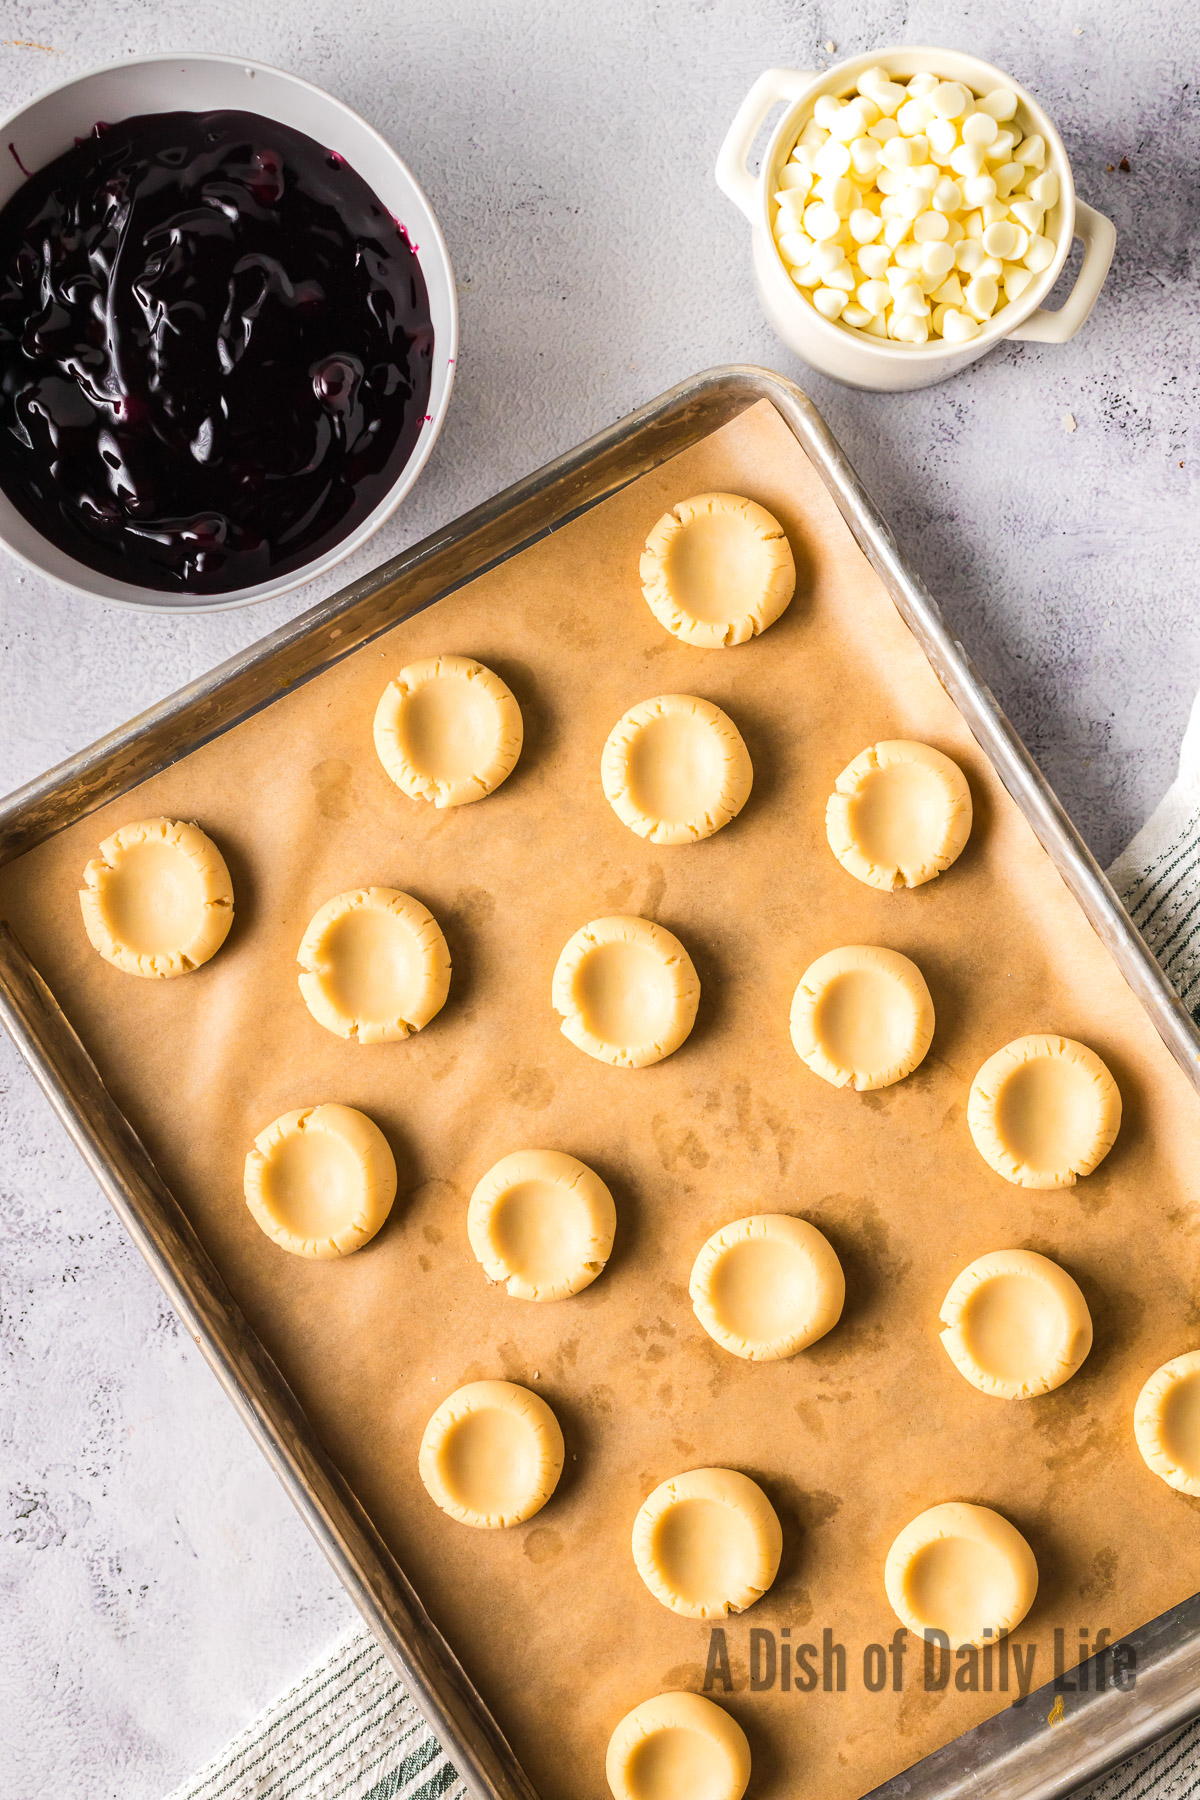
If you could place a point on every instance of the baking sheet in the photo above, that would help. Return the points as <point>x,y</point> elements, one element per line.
<point>849,1439</point>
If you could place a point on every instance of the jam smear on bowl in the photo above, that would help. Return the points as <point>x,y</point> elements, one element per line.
<point>215,351</point>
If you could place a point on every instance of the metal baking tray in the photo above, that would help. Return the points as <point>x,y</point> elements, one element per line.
<point>1017,1755</point>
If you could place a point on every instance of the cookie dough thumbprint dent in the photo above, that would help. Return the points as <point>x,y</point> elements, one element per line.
<point>492,1454</point>
<point>963,1570</point>
<point>1166,1422</point>
<point>541,1224</point>
<point>899,814</point>
<point>158,900</point>
<point>626,991</point>
<point>321,1182</point>
<point>447,730</point>
<point>717,570</point>
<point>678,1747</point>
<point>1016,1324</point>
<point>767,1286</point>
<point>675,769</point>
<point>374,965</point>
<point>1044,1111</point>
<point>862,1017</point>
<point>707,1543</point>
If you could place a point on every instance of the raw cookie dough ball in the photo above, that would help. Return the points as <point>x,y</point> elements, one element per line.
<point>542,1224</point>
<point>1016,1324</point>
<point>767,1286</point>
<point>492,1454</point>
<point>157,901</point>
<point>707,1543</point>
<point>675,769</point>
<point>374,965</point>
<point>862,1017</point>
<point>1043,1111</point>
<point>963,1570</point>
<point>321,1181</point>
<point>678,1747</point>
<point>448,730</point>
<point>626,990</point>
<point>717,570</point>
<point>899,814</point>
<point>1166,1422</point>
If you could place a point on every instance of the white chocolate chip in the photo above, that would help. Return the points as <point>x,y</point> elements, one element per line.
<point>982,294</point>
<point>1016,280</point>
<point>1039,255</point>
<point>873,260</point>
<point>979,128</point>
<point>921,86</point>
<point>937,259</point>
<point>795,248</point>
<point>896,154</point>
<point>950,293</point>
<point>1031,151</point>
<point>947,195</point>
<point>1001,239</point>
<point>865,226</point>
<point>874,296</point>
<point>967,159</point>
<point>949,100</point>
<point>857,316</point>
<point>826,257</point>
<point>942,135</point>
<point>829,302</point>
<point>969,255</point>
<point>864,156</point>
<point>958,327</point>
<point>977,190</point>
<point>1045,189</point>
<point>931,228</point>
<point>821,221</point>
<point>1001,103</point>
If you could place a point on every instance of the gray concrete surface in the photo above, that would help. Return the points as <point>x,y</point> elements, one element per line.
<point>155,1589</point>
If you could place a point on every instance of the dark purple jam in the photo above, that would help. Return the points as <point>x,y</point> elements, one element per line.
<point>215,350</point>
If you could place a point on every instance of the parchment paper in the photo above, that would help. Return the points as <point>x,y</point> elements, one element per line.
<point>849,1439</point>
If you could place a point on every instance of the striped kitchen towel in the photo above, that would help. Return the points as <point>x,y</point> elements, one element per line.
<point>348,1730</point>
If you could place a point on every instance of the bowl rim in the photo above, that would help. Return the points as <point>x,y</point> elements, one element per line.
<point>1000,326</point>
<point>153,600</point>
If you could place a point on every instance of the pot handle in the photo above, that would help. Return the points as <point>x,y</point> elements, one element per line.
<point>1098,236</point>
<point>733,177</point>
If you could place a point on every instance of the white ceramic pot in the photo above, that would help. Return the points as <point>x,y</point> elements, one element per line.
<point>47,126</point>
<point>838,350</point>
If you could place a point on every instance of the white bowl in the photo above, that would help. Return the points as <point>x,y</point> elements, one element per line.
<point>50,124</point>
<point>838,350</point>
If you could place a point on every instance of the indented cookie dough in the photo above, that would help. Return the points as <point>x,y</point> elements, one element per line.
<point>678,1747</point>
<point>899,814</point>
<point>675,769</point>
<point>1016,1324</point>
<point>963,1570</point>
<point>321,1181</point>
<point>717,570</point>
<point>862,1017</point>
<point>767,1286</point>
<point>157,901</point>
<point>626,990</point>
<point>448,730</point>
<point>1166,1422</point>
<point>541,1223</point>
<point>707,1543</point>
<point>374,965</point>
<point>1043,1111</point>
<point>491,1454</point>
